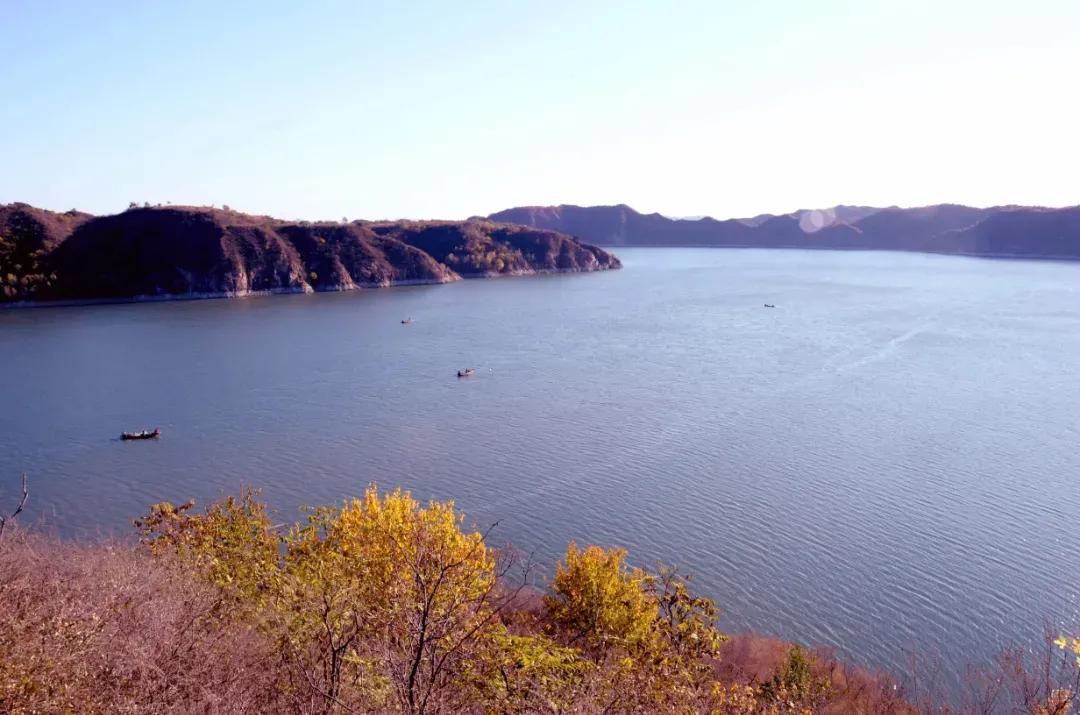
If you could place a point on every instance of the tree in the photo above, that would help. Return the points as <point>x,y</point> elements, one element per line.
<point>653,642</point>
<point>402,600</point>
<point>381,601</point>
<point>687,623</point>
<point>232,544</point>
<point>599,600</point>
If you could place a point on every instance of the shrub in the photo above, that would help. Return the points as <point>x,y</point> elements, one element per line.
<point>795,682</point>
<point>108,629</point>
<point>232,544</point>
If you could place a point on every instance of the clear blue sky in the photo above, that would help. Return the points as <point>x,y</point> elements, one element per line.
<point>448,109</point>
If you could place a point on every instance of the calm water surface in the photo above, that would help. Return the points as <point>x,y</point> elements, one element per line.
<point>885,461</point>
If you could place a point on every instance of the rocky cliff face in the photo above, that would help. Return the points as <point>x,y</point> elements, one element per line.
<point>485,248</point>
<point>194,252</point>
<point>946,228</point>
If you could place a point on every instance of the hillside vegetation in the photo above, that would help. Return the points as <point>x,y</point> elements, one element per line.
<point>175,251</point>
<point>27,236</point>
<point>384,605</point>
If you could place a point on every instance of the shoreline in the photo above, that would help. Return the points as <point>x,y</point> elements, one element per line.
<point>959,254</point>
<point>211,295</point>
<point>305,289</point>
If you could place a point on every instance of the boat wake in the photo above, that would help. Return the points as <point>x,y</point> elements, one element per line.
<point>883,352</point>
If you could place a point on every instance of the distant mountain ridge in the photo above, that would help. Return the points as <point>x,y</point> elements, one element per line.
<point>835,214</point>
<point>1005,231</point>
<point>196,252</point>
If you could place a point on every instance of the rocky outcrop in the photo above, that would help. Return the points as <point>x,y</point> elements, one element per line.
<point>349,256</point>
<point>1007,231</point>
<point>189,252</point>
<point>485,248</point>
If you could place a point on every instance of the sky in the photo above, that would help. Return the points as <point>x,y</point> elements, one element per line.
<point>451,109</point>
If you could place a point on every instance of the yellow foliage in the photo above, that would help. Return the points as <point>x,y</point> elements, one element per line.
<point>233,541</point>
<point>600,600</point>
<point>533,673</point>
<point>1071,645</point>
<point>387,605</point>
<point>392,553</point>
<point>398,594</point>
<point>380,600</point>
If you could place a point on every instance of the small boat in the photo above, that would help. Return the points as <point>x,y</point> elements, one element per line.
<point>406,321</point>
<point>769,305</point>
<point>145,434</point>
<point>467,372</point>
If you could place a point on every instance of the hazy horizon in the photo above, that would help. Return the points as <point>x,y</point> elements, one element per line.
<point>693,217</point>
<point>438,111</point>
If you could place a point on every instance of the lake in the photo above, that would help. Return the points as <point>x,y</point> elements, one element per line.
<point>886,461</point>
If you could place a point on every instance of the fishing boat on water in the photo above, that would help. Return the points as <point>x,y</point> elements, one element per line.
<point>144,434</point>
<point>467,372</point>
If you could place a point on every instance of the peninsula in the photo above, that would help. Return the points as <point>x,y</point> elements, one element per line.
<point>163,252</point>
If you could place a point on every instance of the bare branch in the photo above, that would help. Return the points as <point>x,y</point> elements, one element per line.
<point>19,508</point>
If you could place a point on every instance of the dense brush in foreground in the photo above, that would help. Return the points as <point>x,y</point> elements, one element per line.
<point>383,606</point>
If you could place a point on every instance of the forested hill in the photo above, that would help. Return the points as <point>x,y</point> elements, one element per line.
<point>177,251</point>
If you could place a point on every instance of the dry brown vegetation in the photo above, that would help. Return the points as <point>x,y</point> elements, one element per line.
<point>106,628</point>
